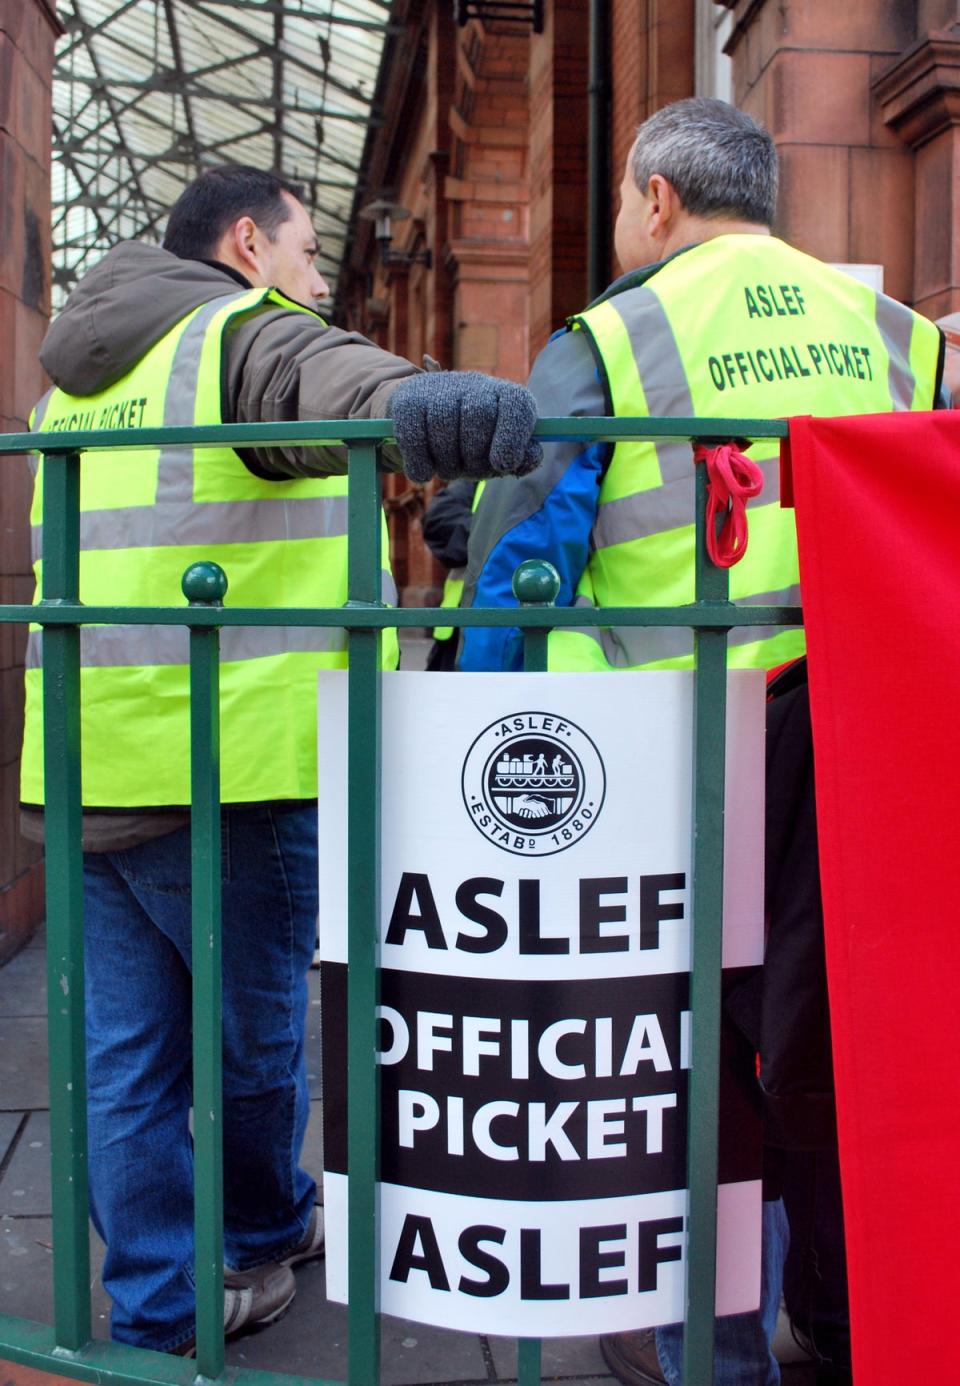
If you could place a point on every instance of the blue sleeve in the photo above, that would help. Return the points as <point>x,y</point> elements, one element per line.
<point>549,514</point>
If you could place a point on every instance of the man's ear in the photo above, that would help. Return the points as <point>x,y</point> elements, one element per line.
<point>240,246</point>
<point>663,205</point>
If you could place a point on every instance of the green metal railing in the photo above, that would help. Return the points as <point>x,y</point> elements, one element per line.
<point>66,1347</point>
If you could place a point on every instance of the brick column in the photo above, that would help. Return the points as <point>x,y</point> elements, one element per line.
<point>628,105</point>
<point>919,96</point>
<point>806,71</point>
<point>652,63</point>
<point>559,71</point>
<point>28,29</point>
<point>487,199</point>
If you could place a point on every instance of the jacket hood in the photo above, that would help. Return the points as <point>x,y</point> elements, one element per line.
<point>120,309</point>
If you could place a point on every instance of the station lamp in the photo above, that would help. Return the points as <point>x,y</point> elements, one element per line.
<point>383,213</point>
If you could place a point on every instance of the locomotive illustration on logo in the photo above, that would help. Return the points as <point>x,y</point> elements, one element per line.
<point>525,786</point>
<point>533,783</point>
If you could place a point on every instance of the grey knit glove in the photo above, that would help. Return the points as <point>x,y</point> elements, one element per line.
<point>463,423</point>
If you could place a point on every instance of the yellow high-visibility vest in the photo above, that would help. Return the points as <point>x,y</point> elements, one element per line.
<point>145,516</point>
<point>741,326</point>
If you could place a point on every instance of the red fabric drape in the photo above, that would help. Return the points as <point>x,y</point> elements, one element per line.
<point>878,517</point>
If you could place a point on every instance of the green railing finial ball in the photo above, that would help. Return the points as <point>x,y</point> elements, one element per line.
<point>204,583</point>
<point>536,583</point>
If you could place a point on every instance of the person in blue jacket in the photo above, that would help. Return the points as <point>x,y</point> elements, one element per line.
<point>552,514</point>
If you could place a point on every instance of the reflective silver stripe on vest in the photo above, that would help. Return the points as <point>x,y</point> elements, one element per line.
<point>176,518</point>
<point>137,647</point>
<point>41,408</point>
<point>388,588</point>
<point>33,462</point>
<point>175,465</point>
<point>895,324</point>
<point>214,522</point>
<point>624,647</point>
<point>667,507</point>
<point>662,375</point>
<point>125,646</point>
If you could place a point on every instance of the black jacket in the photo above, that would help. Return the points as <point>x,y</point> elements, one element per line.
<point>783,1009</point>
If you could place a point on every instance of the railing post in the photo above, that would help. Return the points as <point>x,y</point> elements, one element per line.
<point>535,583</point>
<point>363,920</point>
<point>64,891</point>
<point>710,701</point>
<point>205,584</point>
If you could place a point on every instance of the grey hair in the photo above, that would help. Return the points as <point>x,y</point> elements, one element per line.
<point>718,159</point>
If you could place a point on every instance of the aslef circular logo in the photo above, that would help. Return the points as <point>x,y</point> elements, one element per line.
<point>533,783</point>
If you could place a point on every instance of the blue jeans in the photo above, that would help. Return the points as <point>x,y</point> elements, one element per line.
<point>741,1342</point>
<point>138,987</point>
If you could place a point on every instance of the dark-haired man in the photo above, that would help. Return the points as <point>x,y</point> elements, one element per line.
<point>712,317</point>
<point>218,326</point>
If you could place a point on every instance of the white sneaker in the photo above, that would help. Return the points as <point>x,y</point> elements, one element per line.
<point>251,1299</point>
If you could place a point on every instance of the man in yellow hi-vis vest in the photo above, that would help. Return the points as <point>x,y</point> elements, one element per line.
<point>218,326</point>
<point>714,317</point>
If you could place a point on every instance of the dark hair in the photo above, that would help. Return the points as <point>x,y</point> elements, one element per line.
<point>716,157</point>
<point>218,198</point>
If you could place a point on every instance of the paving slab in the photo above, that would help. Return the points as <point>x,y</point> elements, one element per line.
<point>563,1359</point>
<point>25,1186</point>
<point>9,1126</point>
<point>26,1273</point>
<point>23,1063</point>
<point>312,1341</point>
<point>23,984</point>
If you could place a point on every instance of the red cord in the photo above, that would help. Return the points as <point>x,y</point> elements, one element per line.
<point>731,479</point>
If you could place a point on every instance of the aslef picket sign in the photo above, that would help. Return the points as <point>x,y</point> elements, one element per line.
<point>534,1040</point>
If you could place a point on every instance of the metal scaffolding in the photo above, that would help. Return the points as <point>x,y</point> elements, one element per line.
<point>147,93</point>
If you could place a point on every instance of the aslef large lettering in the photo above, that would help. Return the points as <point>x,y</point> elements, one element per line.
<point>603,1265</point>
<point>615,914</point>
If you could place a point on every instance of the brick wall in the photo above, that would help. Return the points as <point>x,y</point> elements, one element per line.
<point>628,105</point>
<point>27,32</point>
<point>457,157</point>
<point>670,51</point>
<point>918,96</point>
<point>487,192</point>
<point>863,100</point>
<point>559,60</point>
<point>847,180</point>
<point>652,64</point>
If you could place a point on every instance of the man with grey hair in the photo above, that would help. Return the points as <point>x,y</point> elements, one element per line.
<point>713,317</point>
<point>692,142</point>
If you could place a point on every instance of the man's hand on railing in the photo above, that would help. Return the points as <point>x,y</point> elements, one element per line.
<point>463,423</point>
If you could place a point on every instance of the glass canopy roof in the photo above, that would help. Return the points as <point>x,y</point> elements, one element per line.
<point>149,92</point>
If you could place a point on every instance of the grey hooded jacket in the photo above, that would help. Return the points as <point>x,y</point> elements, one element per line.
<point>281,366</point>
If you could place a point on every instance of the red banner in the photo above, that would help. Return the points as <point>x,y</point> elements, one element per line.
<point>878,517</point>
